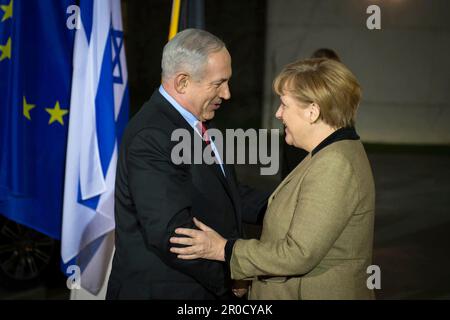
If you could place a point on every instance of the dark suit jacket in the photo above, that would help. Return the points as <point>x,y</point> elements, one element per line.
<point>153,196</point>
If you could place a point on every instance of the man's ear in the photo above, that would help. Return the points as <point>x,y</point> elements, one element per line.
<point>314,112</point>
<point>181,81</point>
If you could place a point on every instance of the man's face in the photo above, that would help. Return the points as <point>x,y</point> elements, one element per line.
<point>205,95</point>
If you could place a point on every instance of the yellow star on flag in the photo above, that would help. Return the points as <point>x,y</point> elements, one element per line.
<point>6,50</point>
<point>8,11</point>
<point>26,108</point>
<point>56,114</point>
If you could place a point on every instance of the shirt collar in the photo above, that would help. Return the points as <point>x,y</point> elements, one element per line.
<point>189,117</point>
<point>347,133</point>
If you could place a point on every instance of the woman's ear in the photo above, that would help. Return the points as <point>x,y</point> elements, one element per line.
<point>181,81</point>
<point>314,112</point>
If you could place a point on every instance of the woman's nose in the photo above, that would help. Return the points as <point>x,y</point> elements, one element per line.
<point>279,113</point>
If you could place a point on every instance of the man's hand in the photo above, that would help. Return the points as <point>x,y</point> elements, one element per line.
<point>240,288</point>
<point>204,243</point>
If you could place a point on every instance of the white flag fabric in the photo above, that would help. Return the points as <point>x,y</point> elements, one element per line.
<point>98,114</point>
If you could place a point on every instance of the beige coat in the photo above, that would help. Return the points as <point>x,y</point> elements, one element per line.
<point>317,235</point>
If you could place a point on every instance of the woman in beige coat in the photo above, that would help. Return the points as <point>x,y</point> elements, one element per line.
<point>317,236</point>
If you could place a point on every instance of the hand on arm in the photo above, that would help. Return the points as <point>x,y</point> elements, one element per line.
<point>204,243</point>
<point>328,197</point>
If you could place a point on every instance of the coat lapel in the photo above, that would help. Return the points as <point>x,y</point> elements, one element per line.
<point>297,171</point>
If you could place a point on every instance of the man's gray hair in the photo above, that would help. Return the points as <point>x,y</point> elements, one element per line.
<point>188,51</point>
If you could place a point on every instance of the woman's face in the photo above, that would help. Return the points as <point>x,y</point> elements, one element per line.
<point>296,119</point>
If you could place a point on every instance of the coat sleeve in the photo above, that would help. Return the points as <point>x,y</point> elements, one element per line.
<point>327,198</point>
<point>161,194</point>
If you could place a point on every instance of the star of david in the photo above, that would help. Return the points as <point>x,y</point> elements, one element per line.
<point>117,41</point>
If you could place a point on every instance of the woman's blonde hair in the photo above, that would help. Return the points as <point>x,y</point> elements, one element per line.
<point>326,82</point>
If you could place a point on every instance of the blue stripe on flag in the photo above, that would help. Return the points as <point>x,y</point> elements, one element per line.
<point>90,203</point>
<point>87,12</point>
<point>104,108</point>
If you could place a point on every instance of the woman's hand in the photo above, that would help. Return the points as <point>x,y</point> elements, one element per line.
<point>204,243</point>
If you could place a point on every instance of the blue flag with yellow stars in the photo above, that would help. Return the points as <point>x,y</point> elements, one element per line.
<point>36,50</point>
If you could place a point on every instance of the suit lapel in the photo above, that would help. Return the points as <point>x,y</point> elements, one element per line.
<point>228,183</point>
<point>233,190</point>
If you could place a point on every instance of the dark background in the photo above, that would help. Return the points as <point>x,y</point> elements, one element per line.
<point>240,24</point>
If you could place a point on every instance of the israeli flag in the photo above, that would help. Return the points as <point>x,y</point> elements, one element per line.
<point>98,114</point>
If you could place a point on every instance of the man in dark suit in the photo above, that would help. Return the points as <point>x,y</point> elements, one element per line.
<point>154,196</point>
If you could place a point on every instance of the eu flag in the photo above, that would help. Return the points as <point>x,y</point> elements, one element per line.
<point>36,50</point>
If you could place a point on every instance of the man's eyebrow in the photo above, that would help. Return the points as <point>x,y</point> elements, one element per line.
<point>220,80</point>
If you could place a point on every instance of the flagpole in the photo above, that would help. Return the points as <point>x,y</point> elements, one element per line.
<point>174,18</point>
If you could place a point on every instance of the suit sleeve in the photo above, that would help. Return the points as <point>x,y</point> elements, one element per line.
<point>160,190</point>
<point>253,201</point>
<point>254,204</point>
<point>326,201</point>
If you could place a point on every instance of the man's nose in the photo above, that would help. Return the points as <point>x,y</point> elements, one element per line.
<point>225,92</point>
